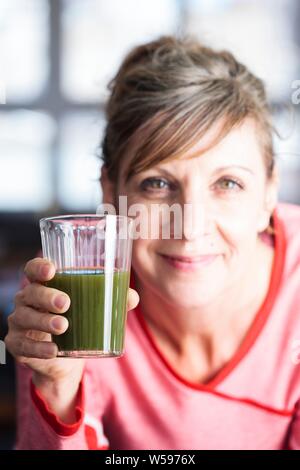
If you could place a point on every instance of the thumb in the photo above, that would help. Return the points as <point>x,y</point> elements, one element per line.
<point>132,299</point>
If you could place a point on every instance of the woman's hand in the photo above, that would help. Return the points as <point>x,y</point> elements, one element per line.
<point>37,315</point>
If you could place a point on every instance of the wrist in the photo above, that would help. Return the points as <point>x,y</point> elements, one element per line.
<point>55,384</point>
<point>59,394</point>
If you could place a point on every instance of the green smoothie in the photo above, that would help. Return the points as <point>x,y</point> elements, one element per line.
<point>97,313</point>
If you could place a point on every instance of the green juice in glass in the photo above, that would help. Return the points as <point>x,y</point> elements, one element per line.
<point>97,313</point>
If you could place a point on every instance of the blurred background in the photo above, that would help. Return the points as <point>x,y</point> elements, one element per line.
<point>56,57</point>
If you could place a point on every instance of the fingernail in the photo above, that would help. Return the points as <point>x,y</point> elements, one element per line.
<point>45,270</point>
<point>59,323</point>
<point>60,301</point>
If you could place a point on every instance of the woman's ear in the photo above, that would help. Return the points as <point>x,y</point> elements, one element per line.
<point>108,187</point>
<point>270,200</point>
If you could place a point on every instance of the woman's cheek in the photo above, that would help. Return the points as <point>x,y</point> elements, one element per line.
<point>143,257</point>
<point>236,230</point>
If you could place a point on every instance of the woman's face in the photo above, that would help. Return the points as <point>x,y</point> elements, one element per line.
<point>228,202</point>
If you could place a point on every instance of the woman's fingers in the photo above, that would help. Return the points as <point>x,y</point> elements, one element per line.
<point>19,345</point>
<point>33,304</point>
<point>43,298</point>
<point>52,300</point>
<point>132,299</point>
<point>29,319</point>
<point>39,270</point>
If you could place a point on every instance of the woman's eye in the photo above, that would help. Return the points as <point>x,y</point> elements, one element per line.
<point>229,184</point>
<point>155,184</point>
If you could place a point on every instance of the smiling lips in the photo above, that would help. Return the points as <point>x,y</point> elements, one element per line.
<point>189,263</point>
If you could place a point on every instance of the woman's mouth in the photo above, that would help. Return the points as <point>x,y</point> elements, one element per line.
<point>189,263</point>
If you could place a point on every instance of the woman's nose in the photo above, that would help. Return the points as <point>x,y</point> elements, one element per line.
<point>194,220</point>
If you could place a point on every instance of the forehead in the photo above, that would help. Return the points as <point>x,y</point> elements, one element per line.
<point>240,147</point>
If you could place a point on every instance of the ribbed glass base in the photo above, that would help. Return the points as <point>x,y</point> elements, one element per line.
<point>86,354</point>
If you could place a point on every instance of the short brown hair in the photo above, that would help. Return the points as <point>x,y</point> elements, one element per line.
<point>175,90</point>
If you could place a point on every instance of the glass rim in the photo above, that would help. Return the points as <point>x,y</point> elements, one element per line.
<point>84,216</point>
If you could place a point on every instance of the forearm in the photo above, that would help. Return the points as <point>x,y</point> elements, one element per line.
<point>60,395</point>
<point>38,428</point>
<point>61,415</point>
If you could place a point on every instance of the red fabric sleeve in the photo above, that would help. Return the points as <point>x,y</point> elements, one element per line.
<point>50,417</point>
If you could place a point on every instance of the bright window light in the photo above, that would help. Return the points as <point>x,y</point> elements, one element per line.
<point>98,33</point>
<point>79,166</point>
<point>260,34</point>
<point>25,166</point>
<point>24,61</point>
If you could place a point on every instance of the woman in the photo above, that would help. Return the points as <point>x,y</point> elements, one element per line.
<point>209,362</point>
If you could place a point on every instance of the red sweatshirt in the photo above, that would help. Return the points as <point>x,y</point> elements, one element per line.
<point>139,401</point>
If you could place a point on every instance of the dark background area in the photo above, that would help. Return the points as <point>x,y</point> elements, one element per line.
<point>16,246</point>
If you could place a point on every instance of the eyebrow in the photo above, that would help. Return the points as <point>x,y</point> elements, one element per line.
<point>217,170</point>
<point>223,168</point>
